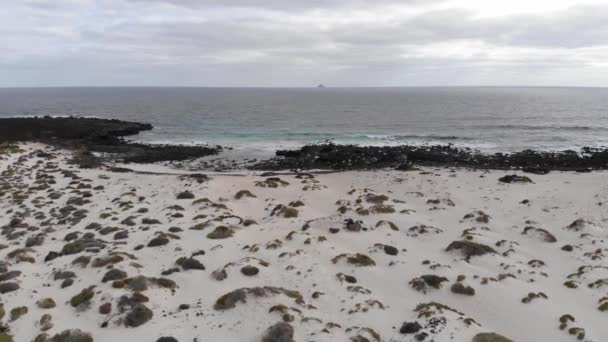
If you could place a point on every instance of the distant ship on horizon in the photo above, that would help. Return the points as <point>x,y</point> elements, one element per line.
<point>321,86</point>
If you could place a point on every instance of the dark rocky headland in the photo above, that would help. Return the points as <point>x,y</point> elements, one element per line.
<point>97,135</point>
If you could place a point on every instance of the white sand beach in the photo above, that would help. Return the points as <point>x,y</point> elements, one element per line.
<point>347,256</point>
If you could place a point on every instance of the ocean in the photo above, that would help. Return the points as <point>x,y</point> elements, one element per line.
<point>256,121</point>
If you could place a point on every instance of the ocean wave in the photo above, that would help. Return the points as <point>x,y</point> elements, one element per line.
<point>419,137</point>
<point>547,127</point>
<point>341,136</point>
<point>266,143</point>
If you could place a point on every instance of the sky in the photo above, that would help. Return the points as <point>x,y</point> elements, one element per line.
<point>301,43</point>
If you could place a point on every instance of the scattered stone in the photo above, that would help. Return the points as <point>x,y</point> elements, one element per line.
<point>390,224</point>
<point>9,275</point>
<point>105,308</point>
<point>198,177</point>
<point>129,221</point>
<point>167,339</point>
<point>185,195</point>
<point>250,270</point>
<point>410,328</point>
<point>17,312</point>
<point>191,264</point>
<point>567,248</point>
<point>71,236</point>
<point>219,275</point>
<point>272,182</point>
<point>390,250</point>
<point>540,233</point>
<point>352,225</point>
<point>577,225</point>
<point>249,222</point>
<point>114,274</point>
<point>284,211</point>
<point>479,216</point>
<point>279,332</point>
<point>34,241</point>
<point>158,241</point>
<point>515,179</point>
<point>244,193</point>
<point>469,249</point>
<point>73,247</point>
<point>230,299</point>
<point>150,221</point>
<point>347,278</point>
<point>46,303</point>
<point>51,256</point>
<point>428,280</point>
<point>490,337</point>
<point>122,235</point>
<point>8,287</point>
<point>221,232</point>
<point>139,315</point>
<point>459,288</point>
<point>45,322</point>
<point>355,259</point>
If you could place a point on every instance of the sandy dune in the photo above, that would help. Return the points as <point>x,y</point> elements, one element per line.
<point>431,255</point>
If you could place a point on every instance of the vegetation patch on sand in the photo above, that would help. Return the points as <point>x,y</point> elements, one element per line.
<point>470,249</point>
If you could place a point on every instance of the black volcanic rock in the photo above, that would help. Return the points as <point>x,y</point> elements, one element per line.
<point>114,274</point>
<point>139,315</point>
<point>410,327</point>
<point>8,287</point>
<point>97,135</point>
<point>343,157</point>
<point>390,250</point>
<point>352,157</point>
<point>64,128</point>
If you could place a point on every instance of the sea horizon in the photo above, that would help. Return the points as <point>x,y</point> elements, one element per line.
<point>326,86</point>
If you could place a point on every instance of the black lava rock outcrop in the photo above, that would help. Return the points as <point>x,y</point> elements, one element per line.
<point>97,135</point>
<point>352,157</point>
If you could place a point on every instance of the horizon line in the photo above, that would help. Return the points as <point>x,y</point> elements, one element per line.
<point>325,86</point>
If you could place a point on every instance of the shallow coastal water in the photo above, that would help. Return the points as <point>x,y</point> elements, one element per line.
<point>258,121</point>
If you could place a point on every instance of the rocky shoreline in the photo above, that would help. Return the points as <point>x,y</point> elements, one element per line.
<point>351,157</point>
<point>106,137</point>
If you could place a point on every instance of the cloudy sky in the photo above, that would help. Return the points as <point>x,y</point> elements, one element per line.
<point>303,42</point>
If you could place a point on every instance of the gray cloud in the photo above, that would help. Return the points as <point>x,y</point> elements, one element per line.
<point>285,5</point>
<point>297,43</point>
